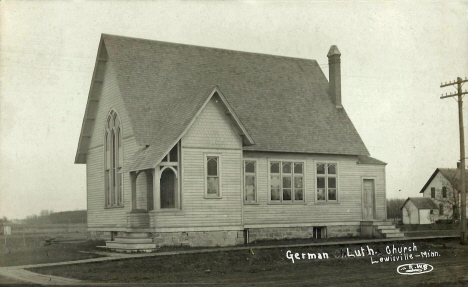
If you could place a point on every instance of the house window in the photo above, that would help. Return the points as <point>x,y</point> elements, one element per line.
<point>327,189</point>
<point>169,179</point>
<point>441,209</point>
<point>113,160</point>
<point>250,181</point>
<point>444,192</point>
<point>213,185</point>
<point>432,192</point>
<point>286,181</point>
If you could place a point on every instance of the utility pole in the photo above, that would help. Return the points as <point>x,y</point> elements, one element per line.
<point>459,94</point>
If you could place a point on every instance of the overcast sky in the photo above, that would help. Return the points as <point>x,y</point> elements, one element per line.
<point>394,56</point>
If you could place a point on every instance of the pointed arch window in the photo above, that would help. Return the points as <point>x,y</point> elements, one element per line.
<point>113,161</point>
<point>169,190</point>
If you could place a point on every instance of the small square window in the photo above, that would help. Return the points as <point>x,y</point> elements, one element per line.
<point>286,167</point>
<point>250,166</point>
<point>331,168</point>
<point>320,168</point>
<point>298,168</point>
<point>274,167</point>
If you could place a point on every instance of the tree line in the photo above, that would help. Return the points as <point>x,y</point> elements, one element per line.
<point>51,217</point>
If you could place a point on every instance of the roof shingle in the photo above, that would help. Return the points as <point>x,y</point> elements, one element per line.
<point>421,203</point>
<point>282,102</point>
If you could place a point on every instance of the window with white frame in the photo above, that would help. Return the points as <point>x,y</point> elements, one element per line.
<point>213,186</point>
<point>326,174</point>
<point>113,160</point>
<point>286,181</point>
<point>250,181</point>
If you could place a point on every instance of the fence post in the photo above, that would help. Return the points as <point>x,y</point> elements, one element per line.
<point>24,241</point>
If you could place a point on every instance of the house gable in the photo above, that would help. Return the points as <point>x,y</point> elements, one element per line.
<point>213,129</point>
<point>179,119</point>
<point>436,182</point>
<point>103,81</point>
<point>108,99</point>
<point>442,177</point>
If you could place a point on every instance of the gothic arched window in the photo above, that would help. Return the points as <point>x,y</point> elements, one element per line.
<point>113,161</point>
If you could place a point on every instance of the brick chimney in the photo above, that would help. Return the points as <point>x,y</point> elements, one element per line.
<point>334,68</point>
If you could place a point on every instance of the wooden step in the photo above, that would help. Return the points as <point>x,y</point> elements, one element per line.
<point>388,231</point>
<point>133,239</point>
<point>113,244</point>
<point>394,235</point>
<point>386,227</point>
<point>137,234</point>
<point>381,223</point>
<point>128,249</point>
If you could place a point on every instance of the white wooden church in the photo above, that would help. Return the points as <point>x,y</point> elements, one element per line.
<point>188,145</point>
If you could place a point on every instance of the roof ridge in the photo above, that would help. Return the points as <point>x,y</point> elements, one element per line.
<point>206,47</point>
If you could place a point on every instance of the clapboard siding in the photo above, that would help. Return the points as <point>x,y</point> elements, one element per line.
<point>348,208</point>
<point>212,129</point>
<point>198,211</point>
<point>98,215</point>
<point>141,191</point>
<point>211,133</point>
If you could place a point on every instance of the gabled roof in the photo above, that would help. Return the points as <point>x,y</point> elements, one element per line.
<point>364,159</point>
<point>421,203</point>
<point>282,102</point>
<point>187,112</point>
<point>452,175</point>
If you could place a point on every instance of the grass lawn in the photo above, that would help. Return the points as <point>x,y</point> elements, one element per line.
<point>46,254</point>
<point>271,266</point>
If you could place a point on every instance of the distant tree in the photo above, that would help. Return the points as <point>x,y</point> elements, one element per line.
<point>409,211</point>
<point>450,203</point>
<point>44,212</point>
<point>394,208</point>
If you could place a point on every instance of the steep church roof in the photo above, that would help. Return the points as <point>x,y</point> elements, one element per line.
<point>282,102</point>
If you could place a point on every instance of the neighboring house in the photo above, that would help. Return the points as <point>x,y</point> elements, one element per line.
<point>443,188</point>
<point>204,146</point>
<point>418,210</point>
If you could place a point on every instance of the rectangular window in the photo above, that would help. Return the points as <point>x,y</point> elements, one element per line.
<point>250,181</point>
<point>444,192</point>
<point>212,177</point>
<point>286,181</point>
<point>432,192</point>
<point>327,187</point>
<point>441,209</point>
